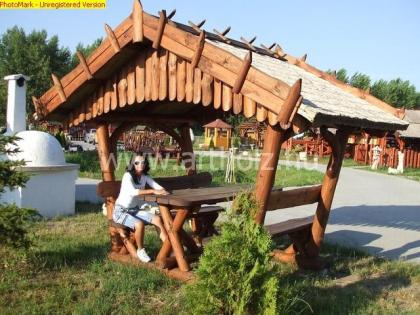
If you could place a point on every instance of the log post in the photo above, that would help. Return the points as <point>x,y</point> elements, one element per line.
<point>107,168</point>
<point>188,155</point>
<point>338,143</point>
<point>274,136</point>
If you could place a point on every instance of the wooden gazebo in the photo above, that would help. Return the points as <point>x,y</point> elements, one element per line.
<point>153,71</point>
<point>218,132</point>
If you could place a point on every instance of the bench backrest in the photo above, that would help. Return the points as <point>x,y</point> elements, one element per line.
<point>112,189</point>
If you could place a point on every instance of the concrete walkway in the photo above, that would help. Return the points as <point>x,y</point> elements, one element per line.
<point>376,212</point>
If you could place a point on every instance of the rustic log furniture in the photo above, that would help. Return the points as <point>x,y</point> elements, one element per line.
<point>153,71</point>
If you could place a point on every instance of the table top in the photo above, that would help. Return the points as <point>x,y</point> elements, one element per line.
<point>197,196</point>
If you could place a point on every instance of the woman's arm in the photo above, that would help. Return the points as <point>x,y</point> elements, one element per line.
<point>156,188</point>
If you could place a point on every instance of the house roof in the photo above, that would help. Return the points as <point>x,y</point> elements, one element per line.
<point>413,130</point>
<point>218,123</point>
<point>266,87</point>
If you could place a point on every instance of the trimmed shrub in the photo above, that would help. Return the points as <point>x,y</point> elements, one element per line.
<point>235,274</point>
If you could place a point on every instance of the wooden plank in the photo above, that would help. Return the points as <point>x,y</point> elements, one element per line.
<point>180,79</point>
<point>131,84</point>
<point>226,97</point>
<point>199,49</point>
<point>122,88</point>
<point>250,107</point>
<point>172,76</point>
<point>82,112</point>
<point>155,76</point>
<point>237,103</point>
<point>107,96</point>
<point>149,75</point>
<point>289,226</point>
<point>197,86</point>
<point>163,74</point>
<point>114,94</point>
<point>140,76</point>
<point>291,105</point>
<point>206,89</point>
<point>217,93</point>
<point>293,197</point>
<point>189,84</point>
<point>261,113</point>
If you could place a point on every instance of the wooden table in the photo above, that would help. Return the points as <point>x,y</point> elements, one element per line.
<point>184,201</point>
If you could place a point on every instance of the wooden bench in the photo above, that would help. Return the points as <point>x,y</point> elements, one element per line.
<point>203,219</point>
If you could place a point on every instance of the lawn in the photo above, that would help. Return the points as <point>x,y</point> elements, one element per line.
<point>67,272</point>
<point>246,171</point>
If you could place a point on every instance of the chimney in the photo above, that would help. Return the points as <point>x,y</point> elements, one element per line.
<point>16,103</point>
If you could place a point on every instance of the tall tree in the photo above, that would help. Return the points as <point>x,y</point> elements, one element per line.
<point>397,92</point>
<point>34,55</point>
<point>360,80</point>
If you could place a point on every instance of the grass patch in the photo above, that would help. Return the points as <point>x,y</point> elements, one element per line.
<point>246,170</point>
<point>67,272</point>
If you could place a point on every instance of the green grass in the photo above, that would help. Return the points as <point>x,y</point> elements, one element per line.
<point>67,272</point>
<point>246,171</point>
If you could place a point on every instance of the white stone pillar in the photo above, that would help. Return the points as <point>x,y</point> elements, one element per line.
<point>16,103</point>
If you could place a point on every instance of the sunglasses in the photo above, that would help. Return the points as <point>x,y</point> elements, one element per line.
<point>138,162</point>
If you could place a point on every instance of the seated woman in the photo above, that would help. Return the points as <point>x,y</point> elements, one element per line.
<point>130,210</point>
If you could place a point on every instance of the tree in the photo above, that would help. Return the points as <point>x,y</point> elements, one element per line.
<point>85,50</point>
<point>34,55</point>
<point>360,80</point>
<point>342,75</point>
<point>396,92</point>
<point>13,220</point>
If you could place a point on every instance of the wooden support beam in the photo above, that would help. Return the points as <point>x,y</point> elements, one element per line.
<point>274,136</point>
<point>160,29</point>
<point>84,65</point>
<point>197,27</point>
<point>281,199</point>
<point>137,15</point>
<point>221,35</point>
<point>188,155</point>
<point>290,106</point>
<point>112,39</point>
<point>338,143</point>
<point>240,79</point>
<point>303,58</point>
<point>59,87</point>
<point>199,49</point>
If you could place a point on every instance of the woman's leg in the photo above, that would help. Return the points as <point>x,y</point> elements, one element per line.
<point>139,234</point>
<point>157,221</point>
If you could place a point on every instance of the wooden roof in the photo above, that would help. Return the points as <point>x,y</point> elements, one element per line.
<point>151,67</point>
<point>218,123</point>
<point>413,118</point>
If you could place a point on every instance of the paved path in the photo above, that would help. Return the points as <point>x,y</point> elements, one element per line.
<point>376,212</point>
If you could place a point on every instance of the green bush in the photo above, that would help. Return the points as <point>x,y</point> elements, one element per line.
<point>13,220</point>
<point>235,274</point>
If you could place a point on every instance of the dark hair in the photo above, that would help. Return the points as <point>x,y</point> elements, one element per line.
<point>132,170</point>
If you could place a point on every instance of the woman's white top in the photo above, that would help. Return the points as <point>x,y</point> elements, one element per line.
<point>128,197</point>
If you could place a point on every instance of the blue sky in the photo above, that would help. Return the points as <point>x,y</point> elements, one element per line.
<point>378,37</point>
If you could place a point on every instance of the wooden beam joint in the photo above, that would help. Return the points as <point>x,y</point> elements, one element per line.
<point>84,65</point>
<point>59,87</point>
<point>199,51</point>
<point>112,39</point>
<point>137,16</point>
<point>290,106</point>
<point>240,79</point>
<point>160,29</point>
